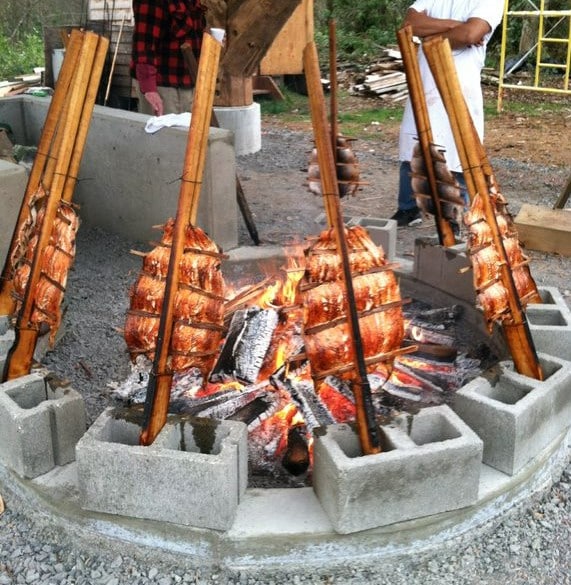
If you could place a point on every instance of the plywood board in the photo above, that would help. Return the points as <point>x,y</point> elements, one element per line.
<point>285,55</point>
<point>544,229</point>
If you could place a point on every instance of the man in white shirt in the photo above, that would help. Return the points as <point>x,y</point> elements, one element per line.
<point>468,25</point>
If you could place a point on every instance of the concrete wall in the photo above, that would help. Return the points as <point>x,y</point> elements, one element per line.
<point>129,180</point>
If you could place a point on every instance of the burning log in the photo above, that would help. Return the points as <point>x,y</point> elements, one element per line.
<point>494,280</point>
<point>296,458</point>
<point>246,345</point>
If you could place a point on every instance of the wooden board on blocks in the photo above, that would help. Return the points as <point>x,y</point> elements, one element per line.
<point>544,229</point>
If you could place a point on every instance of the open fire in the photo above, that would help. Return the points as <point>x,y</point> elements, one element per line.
<point>262,375</point>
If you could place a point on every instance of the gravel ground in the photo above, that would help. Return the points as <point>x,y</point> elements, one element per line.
<point>531,546</point>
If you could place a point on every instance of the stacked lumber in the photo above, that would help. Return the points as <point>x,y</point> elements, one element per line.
<point>384,79</point>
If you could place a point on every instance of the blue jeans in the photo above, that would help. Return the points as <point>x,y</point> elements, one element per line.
<point>406,199</point>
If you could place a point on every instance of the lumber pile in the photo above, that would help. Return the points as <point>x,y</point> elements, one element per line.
<point>384,79</point>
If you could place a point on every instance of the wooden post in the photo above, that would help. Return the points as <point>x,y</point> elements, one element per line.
<point>516,329</point>
<point>424,129</point>
<point>160,379</point>
<point>366,423</point>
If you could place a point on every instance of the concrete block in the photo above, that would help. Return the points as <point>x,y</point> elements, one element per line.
<point>517,416</point>
<point>193,474</point>
<point>40,424</point>
<point>550,324</point>
<point>424,456</point>
<point>447,269</point>
<point>7,336</point>
<point>245,122</point>
<point>382,231</point>
<point>13,181</point>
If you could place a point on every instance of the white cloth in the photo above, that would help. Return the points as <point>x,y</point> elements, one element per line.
<point>469,62</point>
<point>155,123</point>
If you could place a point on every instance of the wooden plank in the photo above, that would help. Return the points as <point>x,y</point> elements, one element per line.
<point>544,229</point>
<point>285,55</point>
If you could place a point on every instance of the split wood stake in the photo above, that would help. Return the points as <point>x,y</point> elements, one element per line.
<point>53,118</point>
<point>366,424</point>
<point>423,129</point>
<point>516,329</point>
<point>160,378</point>
<point>333,83</point>
<point>20,355</point>
<point>192,65</point>
<point>112,69</point>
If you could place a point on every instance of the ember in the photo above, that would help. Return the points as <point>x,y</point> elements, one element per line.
<point>276,396</point>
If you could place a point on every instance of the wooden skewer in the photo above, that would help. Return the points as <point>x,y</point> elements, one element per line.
<point>160,378</point>
<point>86,114</point>
<point>366,423</point>
<point>7,303</point>
<point>20,355</point>
<point>516,328</point>
<point>424,129</point>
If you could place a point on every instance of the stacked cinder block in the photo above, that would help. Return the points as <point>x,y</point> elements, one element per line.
<point>550,324</point>
<point>13,179</point>
<point>41,421</point>
<point>194,473</point>
<point>424,456</point>
<point>517,416</point>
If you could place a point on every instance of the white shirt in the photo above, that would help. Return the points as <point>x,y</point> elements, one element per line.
<point>469,63</point>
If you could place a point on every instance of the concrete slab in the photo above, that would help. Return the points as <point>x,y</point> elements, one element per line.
<point>424,456</point>
<point>129,180</point>
<point>514,415</point>
<point>447,269</point>
<point>205,462</point>
<point>40,423</point>
<point>13,181</point>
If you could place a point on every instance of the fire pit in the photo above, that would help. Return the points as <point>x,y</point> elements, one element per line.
<point>249,540</point>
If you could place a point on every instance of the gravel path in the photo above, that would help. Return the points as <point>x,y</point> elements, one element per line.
<point>531,546</point>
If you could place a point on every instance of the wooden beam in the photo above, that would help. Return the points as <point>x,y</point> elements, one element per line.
<point>251,29</point>
<point>544,229</point>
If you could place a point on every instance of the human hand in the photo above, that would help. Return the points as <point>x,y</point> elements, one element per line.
<point>155,102</point>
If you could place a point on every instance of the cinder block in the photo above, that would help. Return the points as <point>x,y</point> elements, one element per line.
<point>447,269</point>
<point>194,473</point>
<point>382,231</point>
<point>517,416</point>
<point>430,463</point>
<point>40,424</point>
<point>550,324</point>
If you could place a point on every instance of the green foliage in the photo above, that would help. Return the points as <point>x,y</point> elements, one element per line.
<point>22,55</point>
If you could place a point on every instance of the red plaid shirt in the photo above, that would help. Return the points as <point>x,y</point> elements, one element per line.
<point>161,27</point>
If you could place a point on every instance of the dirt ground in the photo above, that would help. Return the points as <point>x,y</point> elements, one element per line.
<point>530,154</point>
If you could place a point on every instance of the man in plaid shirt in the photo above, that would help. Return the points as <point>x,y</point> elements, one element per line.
<point>161,27</point>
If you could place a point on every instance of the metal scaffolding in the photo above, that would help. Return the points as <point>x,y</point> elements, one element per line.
<point>550,24</point>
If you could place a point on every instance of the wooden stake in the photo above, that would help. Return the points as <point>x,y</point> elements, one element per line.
<point>516,329</point>
<point>20,355</point>
<point>160,378</point>
<point>424,129</point>
<point>366,423</point>
<point>7,302</point>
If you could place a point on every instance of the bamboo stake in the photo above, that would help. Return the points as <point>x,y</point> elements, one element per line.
<point>424,129</point>
<point>516,329</point>
<point>20,355</point>
<point>53,118</point>
<point>160,378</point>
<point>366,424</point>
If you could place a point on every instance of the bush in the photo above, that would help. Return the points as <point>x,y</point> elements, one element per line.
<point>22,55</point>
